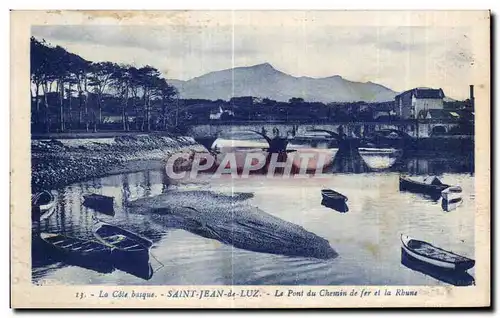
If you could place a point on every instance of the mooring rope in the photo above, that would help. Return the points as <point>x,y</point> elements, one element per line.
<point>162,265</point>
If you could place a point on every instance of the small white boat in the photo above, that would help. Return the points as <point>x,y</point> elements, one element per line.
<point>433,255</point>
<point>43,204</point>
<point>452,193</point>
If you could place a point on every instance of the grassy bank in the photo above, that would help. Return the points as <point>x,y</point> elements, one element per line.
<point>59,162</point>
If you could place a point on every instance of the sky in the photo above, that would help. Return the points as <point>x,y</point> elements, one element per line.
<point>399,58</point>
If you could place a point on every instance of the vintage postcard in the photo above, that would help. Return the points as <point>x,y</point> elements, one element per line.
<point>242,159</point>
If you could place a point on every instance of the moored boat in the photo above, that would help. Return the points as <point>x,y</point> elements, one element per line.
<point>430,185</point>
<point>75,247</point>
<point>122,242</point>
<point>337,206</point>
<point>331,196</point>
<point>456,278</point>
<point>435,256</point>
<point>452,193</point>
<point>43,204</point>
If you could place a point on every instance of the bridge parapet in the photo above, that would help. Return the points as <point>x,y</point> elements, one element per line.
<point>412,128</point>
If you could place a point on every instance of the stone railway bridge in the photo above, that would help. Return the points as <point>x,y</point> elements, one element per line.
<point>349,135</point>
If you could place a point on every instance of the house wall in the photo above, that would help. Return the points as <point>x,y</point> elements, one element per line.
<point>404,105</point>
<point>409,106</point>
<point>215,116</point>
<point>427,103</point>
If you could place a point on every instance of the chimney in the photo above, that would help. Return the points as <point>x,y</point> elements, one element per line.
<point>471,95</point>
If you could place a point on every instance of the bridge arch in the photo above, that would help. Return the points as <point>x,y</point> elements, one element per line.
<point>438,130</point>
<point>276,144</point>
<point>331,133</point>
<point>400,133</point>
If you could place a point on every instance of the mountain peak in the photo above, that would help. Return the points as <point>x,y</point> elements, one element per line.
<point>263,66</point>
<point>263,80</point>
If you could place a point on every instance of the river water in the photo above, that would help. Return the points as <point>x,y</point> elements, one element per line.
<point>366,237</point>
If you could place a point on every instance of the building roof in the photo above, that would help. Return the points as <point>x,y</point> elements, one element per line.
<point>465,114</point>
<point>439,114</point>
<point>424,92</point>
<point>384,106</point>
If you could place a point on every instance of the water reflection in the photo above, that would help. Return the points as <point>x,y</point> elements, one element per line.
<point>337,206</point>
<point>351,159</point>
<point>99,203</point>
<point>430,196</point>
<point>451,205</point>
<point>73,218</point>
<point>139,267</point>
<point>376,210</point>
<point>433,164</point>
<point>363,236</point>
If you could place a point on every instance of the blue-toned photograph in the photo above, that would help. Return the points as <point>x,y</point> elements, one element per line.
<point>252,154</point>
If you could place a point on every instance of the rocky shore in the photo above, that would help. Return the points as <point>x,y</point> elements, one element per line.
<point>59,162</point>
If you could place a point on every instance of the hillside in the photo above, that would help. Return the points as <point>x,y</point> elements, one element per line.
<point>264,80</point>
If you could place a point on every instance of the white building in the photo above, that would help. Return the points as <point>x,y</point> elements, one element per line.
<point>413,102</point>
<point>217,113</point>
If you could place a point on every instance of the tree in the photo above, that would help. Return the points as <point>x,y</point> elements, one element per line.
<point>37,75</point>
<point>79,72</point>
<point>166,94</point>
<point>147,78</point>
<point>60,63</point>
<point>100,79</point>
<point>296,100</point>
<point>123,86</point>
<point>43,75</point>
<point>121,82</point>
<point>269,102</point>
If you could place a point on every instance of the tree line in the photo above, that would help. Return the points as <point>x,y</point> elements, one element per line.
<point>69,92</point>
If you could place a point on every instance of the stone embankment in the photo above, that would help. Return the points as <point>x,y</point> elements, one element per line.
<point>59,162</point>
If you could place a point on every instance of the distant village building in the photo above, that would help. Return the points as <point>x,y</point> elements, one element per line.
<point>383,110</point>
<point>438,114</point>
<point>112,119</point>
<point>245,100</point>
<point>220,112</point>
<point>413,102</point>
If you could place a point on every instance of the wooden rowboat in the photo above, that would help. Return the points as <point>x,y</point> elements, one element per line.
<point>123,243</point>
<point>332,196</point>
<point>431,186</point>
<point>75,247</point>
<point>435,256</point>
<point>457,278</point>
